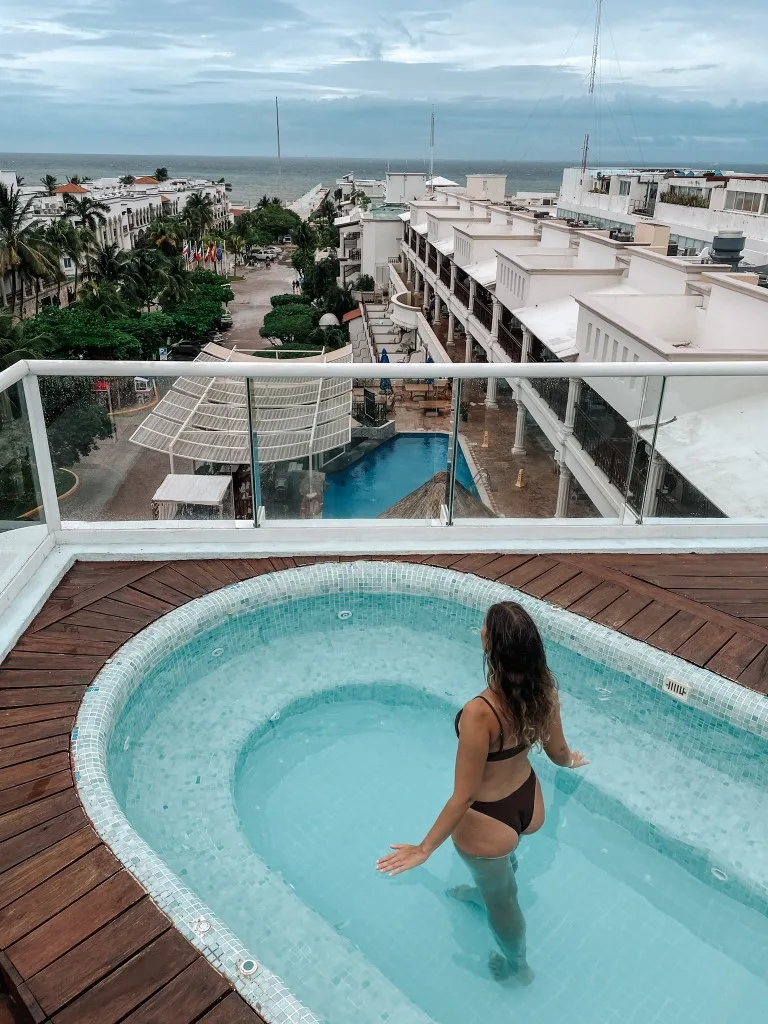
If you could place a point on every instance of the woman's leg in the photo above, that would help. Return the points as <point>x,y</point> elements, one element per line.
<point>495,878</point>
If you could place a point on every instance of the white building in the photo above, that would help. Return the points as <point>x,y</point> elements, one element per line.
<point>697,205</point>
<point>517,285</point>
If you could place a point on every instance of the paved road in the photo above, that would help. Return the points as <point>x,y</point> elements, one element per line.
<point>252,297</point>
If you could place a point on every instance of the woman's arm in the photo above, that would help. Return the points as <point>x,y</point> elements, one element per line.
<point>556,746</point>
<point>476,730</point>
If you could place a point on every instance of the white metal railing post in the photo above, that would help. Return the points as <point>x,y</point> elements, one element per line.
<point>42,452</point>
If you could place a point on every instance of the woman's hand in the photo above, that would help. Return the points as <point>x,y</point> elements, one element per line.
<point>404,858</point>
<point>577,759</point>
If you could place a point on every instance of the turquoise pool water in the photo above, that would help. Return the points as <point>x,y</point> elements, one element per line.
<point>379,480</point>
<point>272,776</point>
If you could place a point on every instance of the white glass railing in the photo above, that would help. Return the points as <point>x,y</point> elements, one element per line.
<point>558,456</point>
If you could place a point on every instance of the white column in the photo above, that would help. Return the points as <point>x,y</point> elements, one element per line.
<point>418,281</point>
<point>472,289</point>
<point>468,350</point>
<point>519,446</point>
<point>425,297</point>
<point>496,320</point>
<point>451,328</point>
<point>563,492</point>
<point>453,275</point>
<point>526,348</point>
<point>438,309</point>
<point>574,390</point>
<point>490,394</point>
<point>656,471</point>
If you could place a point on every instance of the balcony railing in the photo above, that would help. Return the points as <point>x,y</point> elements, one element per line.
<point>670,508</point>
<point>445,275</point>
<point>511,343</point>
<point>422,250</point>
<point>461,291</point>
<point>432,260</point>
<point>554,393</point>
<point>610,457</point>
<point>484,312</point>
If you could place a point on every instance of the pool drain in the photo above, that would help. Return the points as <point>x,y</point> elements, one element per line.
<point>275,717</point>
<point>346,614</point>
<point>247,967</point>
<point>719,874</point>
<point>201,926</point>
<point>217,652</point>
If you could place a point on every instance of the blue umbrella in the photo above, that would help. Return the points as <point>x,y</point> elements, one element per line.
<point>385,384</point>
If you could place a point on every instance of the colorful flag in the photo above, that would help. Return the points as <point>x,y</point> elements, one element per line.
<point>198,252</point>
<point>185,249</point>
<point>219,252</point>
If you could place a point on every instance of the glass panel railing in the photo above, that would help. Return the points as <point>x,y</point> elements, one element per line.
<point>395,464</point>
<point>20,499</point>
<point>142,450</point>
<point>708,449</point>
<point>22,518</point>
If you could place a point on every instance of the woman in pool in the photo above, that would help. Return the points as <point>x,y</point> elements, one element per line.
<point>496,795</point>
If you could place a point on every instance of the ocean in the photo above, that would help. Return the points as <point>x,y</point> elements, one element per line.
<point>253,177</point>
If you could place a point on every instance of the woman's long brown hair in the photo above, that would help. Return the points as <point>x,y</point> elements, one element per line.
<point>517,671</point>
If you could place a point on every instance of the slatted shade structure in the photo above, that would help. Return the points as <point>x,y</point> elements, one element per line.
<point>207,420</point>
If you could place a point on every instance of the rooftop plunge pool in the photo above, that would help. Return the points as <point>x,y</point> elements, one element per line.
<point>250,756</point>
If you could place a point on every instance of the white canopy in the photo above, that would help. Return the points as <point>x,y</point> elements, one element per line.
<point>445,246</point>
<point>192,489</point>
<point>722,451</point>
<point>207,419</point>
<point>420,229</point>
<point>554,323</point>
<point>440,182</point>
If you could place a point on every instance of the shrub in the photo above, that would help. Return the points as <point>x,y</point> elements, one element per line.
<point>289,300</point>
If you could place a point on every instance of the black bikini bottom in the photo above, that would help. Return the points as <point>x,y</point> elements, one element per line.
<point>515,810</point>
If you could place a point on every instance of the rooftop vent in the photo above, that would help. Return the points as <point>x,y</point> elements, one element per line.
<point>727,247</point>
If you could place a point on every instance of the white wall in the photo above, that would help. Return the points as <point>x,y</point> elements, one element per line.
<point>380,240</point>
<point>487,186</point>
<point>403,186</point>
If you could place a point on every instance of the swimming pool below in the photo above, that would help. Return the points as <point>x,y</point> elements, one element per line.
<point>390,472</point>
<point>271,760</point>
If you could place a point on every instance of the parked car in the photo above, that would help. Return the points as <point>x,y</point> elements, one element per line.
<point>184,351</point>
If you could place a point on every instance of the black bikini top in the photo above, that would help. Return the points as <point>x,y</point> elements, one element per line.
<point>501,754</point>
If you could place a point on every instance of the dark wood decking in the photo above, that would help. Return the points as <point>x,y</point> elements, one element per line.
<point>80,941</point>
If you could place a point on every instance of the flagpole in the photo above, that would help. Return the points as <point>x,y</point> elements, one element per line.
<point>279,154</point>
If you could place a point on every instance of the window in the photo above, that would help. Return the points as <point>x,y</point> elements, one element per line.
<point>589,337</point>
<point>67,262</point>
<point>605,347</point>
<point>633,380</point>
<point>624,187</point>
<point>614,350</point>
<point>746,202</point>
<point>597,343</point>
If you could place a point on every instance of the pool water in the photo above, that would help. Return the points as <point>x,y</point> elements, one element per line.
<point>272,776</point>
<point>379,480</point>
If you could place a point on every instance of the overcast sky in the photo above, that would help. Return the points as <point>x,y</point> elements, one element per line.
<point>507,78</point>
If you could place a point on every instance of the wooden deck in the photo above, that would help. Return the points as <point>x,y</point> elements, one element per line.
<point>80,941</point>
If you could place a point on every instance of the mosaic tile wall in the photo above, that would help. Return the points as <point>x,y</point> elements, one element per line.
<point>177,643</point>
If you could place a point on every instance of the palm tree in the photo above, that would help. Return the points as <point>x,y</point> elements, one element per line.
<point>76,243</point>
<point>59,236</point>
<point>49,183</point>
<point>161,173</point>
<point>107,263</point>
<point>148,275</point>
<point>90,212</point>
<point>177,283</point>
<point>22,245</point>
<point>127,179</point>
<point>235,241</point>
<point>75,179</point>
<point>166,233</point>
<point>198,214</point>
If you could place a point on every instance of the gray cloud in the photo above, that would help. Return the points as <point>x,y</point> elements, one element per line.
<point>487,67</point>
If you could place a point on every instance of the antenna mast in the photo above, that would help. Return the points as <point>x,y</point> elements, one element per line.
<point>592,76</point>
<point>432,150</point>
<point>279,154</point>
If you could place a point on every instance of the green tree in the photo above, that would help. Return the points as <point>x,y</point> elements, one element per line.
<point>364,283</point>
<point>198,214</point>
<point>76,243</point>
<point>23,251</point>
<point>127,179</point>
<point>291,325</point>
<point>161,173</point>
<point>167,233</point>
<point>75,179</point>
<point>59,238</point>
<point>287,299</point>
<point>177,286</point>
<point>107,263</point>
<point>152,330</point>
<point>79,332</point>
<point>49,183</point>
<point>147,275</point>
<point>235,245</point>
<point>75,420</point>
<point>88,211</point>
